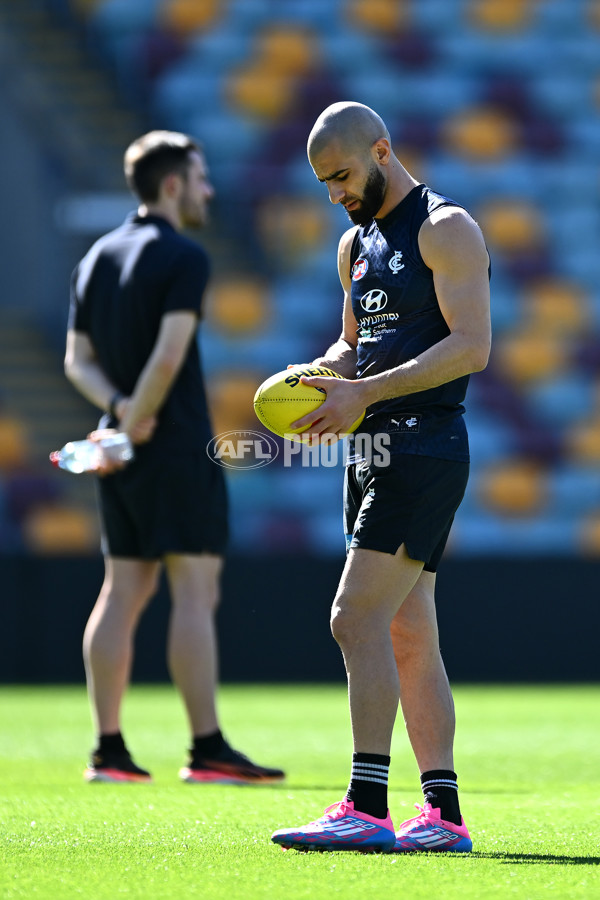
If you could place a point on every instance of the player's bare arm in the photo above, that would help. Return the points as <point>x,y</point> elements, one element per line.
<point>176,332</point>
<point>341,356</point>
<point>452,246</point>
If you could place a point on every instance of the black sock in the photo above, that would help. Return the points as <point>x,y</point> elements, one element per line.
<point>440,788</point>
<point>369,783</point>
<point>111,743</point>
<point>208,746</point>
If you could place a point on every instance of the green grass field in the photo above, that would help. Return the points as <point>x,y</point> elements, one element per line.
<point>528,761</point>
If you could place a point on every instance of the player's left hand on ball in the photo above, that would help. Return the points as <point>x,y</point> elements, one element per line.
<point>339,413</point>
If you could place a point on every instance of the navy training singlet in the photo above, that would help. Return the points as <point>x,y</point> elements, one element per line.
<point>398,315</point>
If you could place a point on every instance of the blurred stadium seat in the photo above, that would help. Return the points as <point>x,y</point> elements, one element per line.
<point>530,355</point>
<point>501,15</point>
<point>238,306</point>
<point>266,85</point>
<point>381,16</point>
<point>481,134</point>
<point>60,529</point>
<point>290,231</point>
<point>184,17</point>
<point>231,396</point>
<point>511,224</point>
<point>557,306</point>
<point>14,444</point>
<point>582,442</point>
<point>513,487</point>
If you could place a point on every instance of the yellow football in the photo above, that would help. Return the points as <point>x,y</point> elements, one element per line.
<point>283,398</point>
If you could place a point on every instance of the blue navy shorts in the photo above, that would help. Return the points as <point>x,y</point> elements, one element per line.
<point>411,501</point>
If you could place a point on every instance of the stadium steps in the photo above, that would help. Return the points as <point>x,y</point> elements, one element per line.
<point>34,390</point>
<point>70,99</point>
<point>73,103</point>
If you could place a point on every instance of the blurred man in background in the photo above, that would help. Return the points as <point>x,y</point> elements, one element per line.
<point>131,350</point>
<point>416,323</point>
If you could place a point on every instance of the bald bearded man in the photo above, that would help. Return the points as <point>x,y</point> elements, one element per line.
<point>415,274</point>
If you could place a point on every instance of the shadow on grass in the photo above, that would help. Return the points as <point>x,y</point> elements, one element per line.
<point>394,789</point>
<point>537,858</point>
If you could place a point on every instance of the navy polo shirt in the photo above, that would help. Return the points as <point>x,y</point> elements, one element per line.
<point>120,290</point>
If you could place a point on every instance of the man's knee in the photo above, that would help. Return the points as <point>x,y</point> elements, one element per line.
<point>340,624</point>
<point>351,623</point>
<point>194,581</point>
<point>132,593</point>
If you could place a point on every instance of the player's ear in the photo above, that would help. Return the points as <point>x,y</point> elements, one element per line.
<point>381,151</point>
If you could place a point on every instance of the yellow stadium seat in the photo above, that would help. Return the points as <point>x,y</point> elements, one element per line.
<point>266,86</point>
<point>187,16</point>
<point>514,488</point>
<point>511,225</point>
<point>291,228</point>
<point>384,16</point>
<point>582,441</point>
<point>61,529</point>
<point>255,91</point>
<point>530,355</point>
<point>500,15</point>
<point>556,306</point>
<point>286,51</point>
<point>14,446</point>
<point>238,306</point>
<point>231,398</point>
<point>480,134</point>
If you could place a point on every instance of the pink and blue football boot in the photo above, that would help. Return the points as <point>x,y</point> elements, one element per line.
<point>428,831</point>
<point>341,827</point>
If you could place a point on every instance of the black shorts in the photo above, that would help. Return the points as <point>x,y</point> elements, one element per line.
<point>412,501</point>
<point>164,502</point>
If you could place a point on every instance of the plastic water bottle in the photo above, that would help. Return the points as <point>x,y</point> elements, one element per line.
<point>85,456</point>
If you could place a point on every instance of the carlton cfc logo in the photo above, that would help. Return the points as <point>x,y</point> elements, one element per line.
<point>359,269</point>
<point>374,301</point>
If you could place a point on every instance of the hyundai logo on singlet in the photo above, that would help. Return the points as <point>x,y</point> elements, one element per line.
<point>374,301</point>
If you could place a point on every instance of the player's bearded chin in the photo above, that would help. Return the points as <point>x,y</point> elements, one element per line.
<point>372,198</point>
